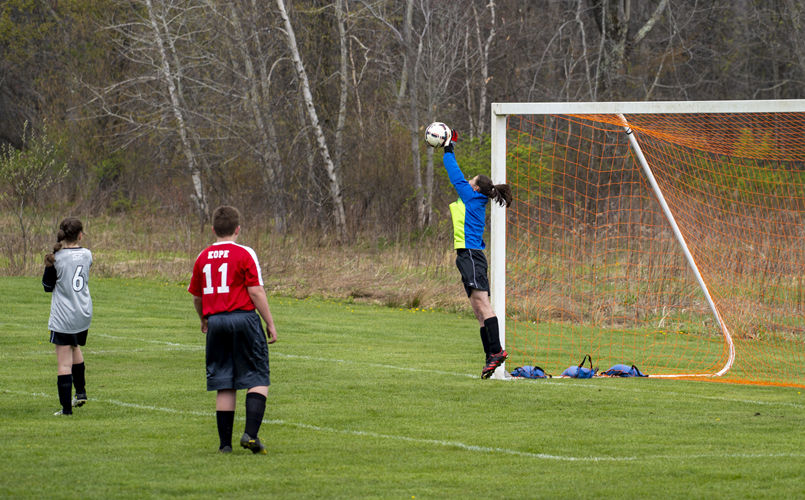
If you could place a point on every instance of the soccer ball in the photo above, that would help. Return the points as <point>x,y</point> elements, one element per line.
<point>436,134</point>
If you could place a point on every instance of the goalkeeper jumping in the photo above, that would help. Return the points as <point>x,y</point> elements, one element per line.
<point>469,220</point>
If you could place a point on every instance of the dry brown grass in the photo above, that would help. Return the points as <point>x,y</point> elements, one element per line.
<point>409,272</point>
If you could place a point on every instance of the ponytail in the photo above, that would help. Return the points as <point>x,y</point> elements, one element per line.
<point>60,236</point>
<point>501,193</point>
<point>69,229</point>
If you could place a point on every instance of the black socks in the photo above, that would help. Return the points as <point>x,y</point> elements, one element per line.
<point>65,385</point>
<point>255,409</point>
<point>493,333</point>
<point>78,378</point>
<point>226,419</point>
<point>485,340</point>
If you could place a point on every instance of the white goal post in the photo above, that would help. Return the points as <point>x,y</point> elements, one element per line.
<point>498,227</point>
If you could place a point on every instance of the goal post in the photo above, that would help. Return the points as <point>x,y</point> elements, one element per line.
<point>497,229</point>
<point>668,235</point>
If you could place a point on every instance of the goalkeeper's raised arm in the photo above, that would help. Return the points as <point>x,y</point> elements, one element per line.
<point>469,221</point>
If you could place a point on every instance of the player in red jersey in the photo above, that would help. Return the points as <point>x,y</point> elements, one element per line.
<point>227,288</point>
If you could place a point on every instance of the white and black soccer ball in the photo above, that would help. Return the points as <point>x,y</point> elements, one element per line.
<point>436,134</point>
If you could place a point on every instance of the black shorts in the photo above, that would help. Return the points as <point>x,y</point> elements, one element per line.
<point>471,263</point>
<point>237,351</point>
<point>73,339</point>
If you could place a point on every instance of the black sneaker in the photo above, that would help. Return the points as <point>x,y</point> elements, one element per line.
<point>61,413</point>
<point>79,399</point>
<point>225,449</point>
<point>493,362</point>
<point>254,444</point>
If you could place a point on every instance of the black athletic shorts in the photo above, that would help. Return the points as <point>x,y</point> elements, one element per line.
<point>237,351</point>
<point>73,339</point>
<point>471,263</point>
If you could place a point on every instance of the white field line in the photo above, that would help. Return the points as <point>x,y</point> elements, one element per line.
<point>596,384</point>
<point>435,442</point>
<point>118,351</point>
<point>375,365</point>
<point>139,340</point>
<point>27,327</point>
<point>318,428</point>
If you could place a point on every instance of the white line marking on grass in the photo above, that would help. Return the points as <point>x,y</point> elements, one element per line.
<point>455,444</point>
<point>118,351</point>
<point>139,340</point>
<point>436,442</point>
<point>27,327</point>
<point>548,382</point>
<point>376,365</point>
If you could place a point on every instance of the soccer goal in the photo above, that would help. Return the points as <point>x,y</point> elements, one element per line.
<point>668,235</point>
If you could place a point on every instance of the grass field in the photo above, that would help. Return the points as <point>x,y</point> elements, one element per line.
<point>366,402</point>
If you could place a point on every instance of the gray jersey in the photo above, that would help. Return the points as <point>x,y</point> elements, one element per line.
<point>71,305</point>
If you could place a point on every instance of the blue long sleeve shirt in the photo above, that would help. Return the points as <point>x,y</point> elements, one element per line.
<point>468,212</point>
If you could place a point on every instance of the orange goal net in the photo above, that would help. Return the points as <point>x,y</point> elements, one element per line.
<point>671,241</point>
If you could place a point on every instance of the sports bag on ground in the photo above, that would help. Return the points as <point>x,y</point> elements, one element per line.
<point>624,371</point>
<point>580,371</point>
<point>530,372</point>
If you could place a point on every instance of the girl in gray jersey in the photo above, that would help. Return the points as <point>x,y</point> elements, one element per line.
<point>67,277</point>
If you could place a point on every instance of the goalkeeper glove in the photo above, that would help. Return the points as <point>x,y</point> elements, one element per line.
<point>450,140</point>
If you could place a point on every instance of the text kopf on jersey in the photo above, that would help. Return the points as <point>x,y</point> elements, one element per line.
<point>218,254</point>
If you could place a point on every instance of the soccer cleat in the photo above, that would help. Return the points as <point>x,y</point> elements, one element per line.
<point>254,444</point>
<point>225,449</point>
<point>61,413</point>
<point>79,399</point>
<point>493,362</point>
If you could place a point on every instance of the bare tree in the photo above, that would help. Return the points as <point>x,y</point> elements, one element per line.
<point>332,173</point>
<point>483,47</point>
<point>411,39</point>
<point>443,56</point>
<point>156,19</point>
<point>413,60</point>
<point>343,83</point>
<point>255,77</point>
<point>613,18</point>
<point>151,99</point>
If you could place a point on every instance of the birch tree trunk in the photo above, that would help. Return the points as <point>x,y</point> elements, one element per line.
<point>485,78</point>
<point>356,89</point>
<point>412,70</point>
<point>342,105</point>
<point>199,195</point>
<point>414,128</point>
<point>613,17</point>
<point>409,14</point>
<point>473,129</point>
<point>444,56</point>
<point>269,151</point>
<point>332,173</point>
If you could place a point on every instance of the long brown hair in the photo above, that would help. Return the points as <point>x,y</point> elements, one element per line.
<point>69,229</point>
<point>500,193</point>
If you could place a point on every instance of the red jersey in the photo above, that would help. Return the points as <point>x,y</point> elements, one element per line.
<point>220,277</point>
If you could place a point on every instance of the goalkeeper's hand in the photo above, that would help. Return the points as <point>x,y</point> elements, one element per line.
<point>450,140</point>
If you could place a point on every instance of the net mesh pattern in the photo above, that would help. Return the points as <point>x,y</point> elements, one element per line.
<point>593,266</point>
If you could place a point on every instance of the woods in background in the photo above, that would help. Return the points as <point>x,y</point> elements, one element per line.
<point>309,113</point>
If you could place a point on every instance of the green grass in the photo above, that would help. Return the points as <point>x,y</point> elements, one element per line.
<point>366,402</point>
